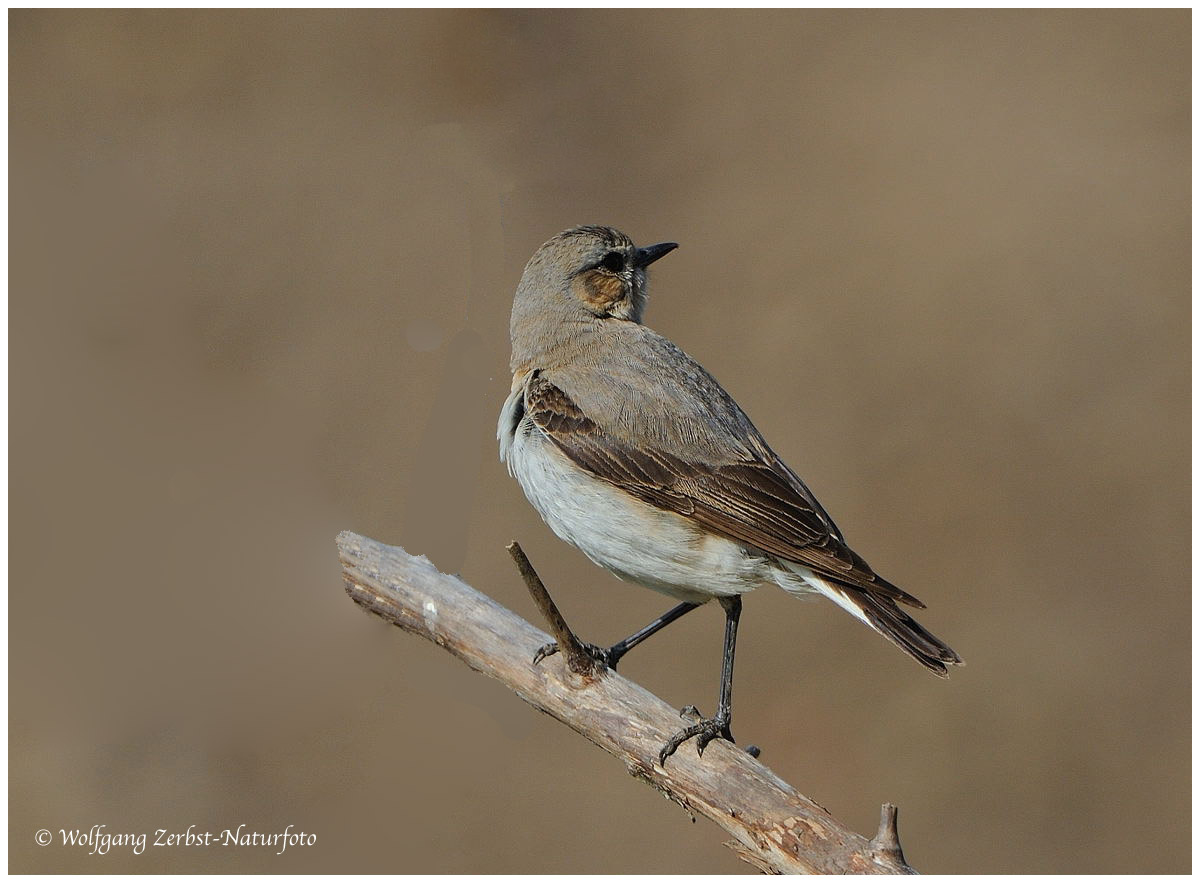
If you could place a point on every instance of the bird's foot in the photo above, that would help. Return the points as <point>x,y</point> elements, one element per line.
<point>603,656</point>
<point>704,730</point>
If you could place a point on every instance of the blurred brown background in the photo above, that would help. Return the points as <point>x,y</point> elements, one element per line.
<point>261,270</point>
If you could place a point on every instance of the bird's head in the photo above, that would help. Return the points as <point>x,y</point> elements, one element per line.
<point>582,275</point>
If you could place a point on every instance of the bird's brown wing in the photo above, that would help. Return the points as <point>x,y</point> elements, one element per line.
<point>753,501</point>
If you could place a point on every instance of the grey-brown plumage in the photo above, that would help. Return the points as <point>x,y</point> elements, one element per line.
<point>605,411</point>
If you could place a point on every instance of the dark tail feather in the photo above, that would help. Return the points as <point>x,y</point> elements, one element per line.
<point>905,632</point>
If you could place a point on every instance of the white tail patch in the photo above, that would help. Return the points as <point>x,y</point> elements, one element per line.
<point>799,580</point>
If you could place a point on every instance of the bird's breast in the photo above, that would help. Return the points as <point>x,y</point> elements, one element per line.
<point>634,540</point>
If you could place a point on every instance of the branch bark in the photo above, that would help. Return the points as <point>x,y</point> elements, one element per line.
<point>774,827</point>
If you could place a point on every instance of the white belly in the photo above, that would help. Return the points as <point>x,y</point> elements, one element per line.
<point>635,541</point>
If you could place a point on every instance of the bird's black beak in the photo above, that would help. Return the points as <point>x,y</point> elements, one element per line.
<point>644,257</point>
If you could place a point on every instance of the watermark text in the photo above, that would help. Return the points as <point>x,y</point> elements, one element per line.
<point>99,840</point>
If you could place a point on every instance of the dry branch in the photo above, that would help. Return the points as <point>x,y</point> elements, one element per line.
<point>775,828</point>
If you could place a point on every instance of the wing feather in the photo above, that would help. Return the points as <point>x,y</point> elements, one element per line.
<point>758,502</point>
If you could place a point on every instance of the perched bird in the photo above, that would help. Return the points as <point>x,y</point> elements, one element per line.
<point>634,454</point>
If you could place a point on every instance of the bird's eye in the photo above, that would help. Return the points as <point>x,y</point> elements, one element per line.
<point>614,262</point>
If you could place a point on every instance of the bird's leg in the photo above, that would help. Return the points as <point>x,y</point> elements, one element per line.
<point>612,655</point>
<point>707,729</point>
<point>619,649</point>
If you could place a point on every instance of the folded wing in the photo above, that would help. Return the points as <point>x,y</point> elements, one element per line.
<point>756,501</point>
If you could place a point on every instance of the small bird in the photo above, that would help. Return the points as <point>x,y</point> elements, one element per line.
<point>634,454</point>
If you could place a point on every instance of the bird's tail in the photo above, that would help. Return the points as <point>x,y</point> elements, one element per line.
<point>882,614</point>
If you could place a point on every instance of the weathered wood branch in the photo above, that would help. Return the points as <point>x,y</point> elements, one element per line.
<point>774,827</point>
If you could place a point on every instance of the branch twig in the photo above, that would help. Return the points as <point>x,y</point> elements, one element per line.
<point>886,842</point>
<point>775,828</point>
<point>577,658</point>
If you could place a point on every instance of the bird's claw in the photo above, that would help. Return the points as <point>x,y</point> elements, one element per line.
<point>544,651</point>
<point>703,731</point>
<point>600,654</point>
